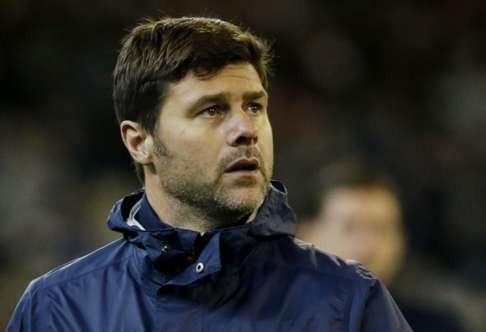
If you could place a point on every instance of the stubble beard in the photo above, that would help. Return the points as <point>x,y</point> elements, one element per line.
<point>207,197</point>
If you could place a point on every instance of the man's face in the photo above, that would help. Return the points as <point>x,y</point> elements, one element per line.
<point>364,225</point>
<point>213,142</point>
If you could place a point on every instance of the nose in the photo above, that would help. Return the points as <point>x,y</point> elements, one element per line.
<point>241,129</point>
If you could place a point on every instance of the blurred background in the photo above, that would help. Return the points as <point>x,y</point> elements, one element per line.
<point>400,85</point>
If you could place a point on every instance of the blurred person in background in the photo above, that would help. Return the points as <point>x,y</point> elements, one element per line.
<point>208,243</point>
<point>358,217</point>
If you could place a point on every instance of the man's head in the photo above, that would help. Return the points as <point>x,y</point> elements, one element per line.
<point>157,53</point>
<point>359,218</point>
<point>190,96</point>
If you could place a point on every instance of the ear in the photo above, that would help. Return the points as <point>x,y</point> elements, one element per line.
<point>137,141</point>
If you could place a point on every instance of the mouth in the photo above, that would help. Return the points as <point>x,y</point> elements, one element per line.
<point>243,165</point>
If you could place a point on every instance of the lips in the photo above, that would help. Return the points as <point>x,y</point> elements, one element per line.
<point>243,165</point>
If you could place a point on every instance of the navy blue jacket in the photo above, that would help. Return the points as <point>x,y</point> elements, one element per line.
<point>252,277</point>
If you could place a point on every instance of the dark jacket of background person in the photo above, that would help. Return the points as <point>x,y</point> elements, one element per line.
<point>253,277</point>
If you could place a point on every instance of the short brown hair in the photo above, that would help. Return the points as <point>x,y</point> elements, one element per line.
<point>158,52</point>
<point>350,175</point>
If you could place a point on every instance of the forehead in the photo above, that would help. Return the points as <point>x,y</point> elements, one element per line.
<point>376,204</point>
<point>233,78</point>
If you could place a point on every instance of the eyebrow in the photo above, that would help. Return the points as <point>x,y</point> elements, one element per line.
<point>217,98</point>
<point>221,98</point>
<point>252,95</point>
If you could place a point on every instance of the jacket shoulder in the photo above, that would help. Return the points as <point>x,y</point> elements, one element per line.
<point>101,258</point>
<point>309,257</point>
<point>33,310</point>
<point>372,305</point>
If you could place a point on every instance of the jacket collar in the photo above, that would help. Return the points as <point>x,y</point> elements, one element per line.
<point>171,256</point>
<point>274,217</point>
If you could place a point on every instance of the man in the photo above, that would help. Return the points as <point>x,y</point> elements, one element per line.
<point>359,217</point>
<point>208,243</point>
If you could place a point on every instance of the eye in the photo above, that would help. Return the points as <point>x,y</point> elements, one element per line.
<point>212,111</point>
<point>255,108</point>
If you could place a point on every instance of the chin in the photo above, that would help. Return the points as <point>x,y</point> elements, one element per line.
<point>247,198</point>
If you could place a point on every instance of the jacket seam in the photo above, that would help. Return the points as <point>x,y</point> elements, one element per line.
<point>47,287</point>
<point>50,326</point>
<point>351,272</point>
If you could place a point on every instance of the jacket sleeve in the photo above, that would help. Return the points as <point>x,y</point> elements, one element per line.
<point>27,316</point>
<point>381,313</point>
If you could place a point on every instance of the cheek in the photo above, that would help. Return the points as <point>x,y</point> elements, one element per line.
<point>195,147</point>
<point>390,248</point>
<point>266,144</point>
<point>178,139</point>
